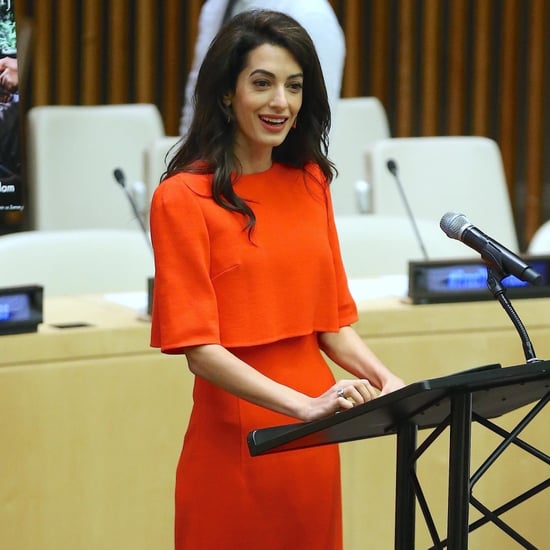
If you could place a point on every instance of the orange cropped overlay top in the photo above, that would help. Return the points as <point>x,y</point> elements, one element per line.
<point>215,283</point>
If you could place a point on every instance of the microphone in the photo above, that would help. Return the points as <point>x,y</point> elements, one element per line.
<point>121,180</point>
<point>392,168</point>
<point>457,226</point>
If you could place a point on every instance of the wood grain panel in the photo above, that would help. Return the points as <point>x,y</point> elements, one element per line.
<point>43,63</point>
<point>509,58</point>
<point>379,58</point>
<point>406,68</point>
<point>456,67</point>
<point>482,67</point>
<point>91,52</point>
<point>118,44</point>
<point>66,75</point>
<point>174,68</point>
<point>430,85</point>
<point>535,110</point>
<point>145,50</point>
<point>353,32</point>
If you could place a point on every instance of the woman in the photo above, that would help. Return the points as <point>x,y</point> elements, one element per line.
<point>249,285</point>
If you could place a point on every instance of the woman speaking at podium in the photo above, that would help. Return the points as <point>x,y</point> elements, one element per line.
<point>250,286</point>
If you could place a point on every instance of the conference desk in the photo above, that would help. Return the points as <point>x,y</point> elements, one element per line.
<point>92,421</point>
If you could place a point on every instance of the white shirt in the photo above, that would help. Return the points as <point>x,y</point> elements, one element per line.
<point>316,16</point>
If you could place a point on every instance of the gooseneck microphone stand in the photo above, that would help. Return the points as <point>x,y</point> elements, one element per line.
<point>494,284</point>
<point>461,484</point>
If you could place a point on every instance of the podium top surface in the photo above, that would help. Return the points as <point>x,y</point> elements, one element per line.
<point>495,391</point>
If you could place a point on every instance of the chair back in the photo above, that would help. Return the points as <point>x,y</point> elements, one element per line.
<point>462,174</point>
<point>157,156</point>
<point>72,153</point>
<point>356,123</point>
<point>83,261</point>
<point>374,245</point>
<point>540,242</point>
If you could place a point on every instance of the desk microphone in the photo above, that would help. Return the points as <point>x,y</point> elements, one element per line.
<point>457,226</point>
<point>392,168</point>
<point>121,180</point>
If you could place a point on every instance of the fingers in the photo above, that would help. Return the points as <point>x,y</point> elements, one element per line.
<point>354,392</point>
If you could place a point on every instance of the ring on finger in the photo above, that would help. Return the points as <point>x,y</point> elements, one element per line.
<point>340,392</point>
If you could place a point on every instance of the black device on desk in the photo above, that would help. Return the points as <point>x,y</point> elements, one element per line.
<point>21,309</point>
<point>466,281</point>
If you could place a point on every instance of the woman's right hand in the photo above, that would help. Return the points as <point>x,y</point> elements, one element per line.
<point>343,395</point>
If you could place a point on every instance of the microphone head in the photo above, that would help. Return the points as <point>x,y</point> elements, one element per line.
<point>119,177</point>
<point>392,166</point>
<point>453,225</point>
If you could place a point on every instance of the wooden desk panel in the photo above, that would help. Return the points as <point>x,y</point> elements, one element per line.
<point>92,421</point>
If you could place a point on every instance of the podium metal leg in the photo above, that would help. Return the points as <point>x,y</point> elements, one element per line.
<point>459,471</point>
<point>404,496</point>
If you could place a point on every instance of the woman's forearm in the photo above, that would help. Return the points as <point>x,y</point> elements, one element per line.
<point>219,366</point>
<point>349,351</point>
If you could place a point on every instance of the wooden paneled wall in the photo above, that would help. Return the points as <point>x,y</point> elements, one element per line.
<point>440,67</point>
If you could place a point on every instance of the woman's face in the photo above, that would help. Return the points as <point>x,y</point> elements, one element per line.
<point>266,101</point>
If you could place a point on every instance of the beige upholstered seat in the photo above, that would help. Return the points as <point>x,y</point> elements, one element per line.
<point>81,261</point>
<point>157,156</point>
<point>540,243</point>
<point>374,245</point>
<point>356,123</point>
<point>72,152</point>
<point>462,174</point>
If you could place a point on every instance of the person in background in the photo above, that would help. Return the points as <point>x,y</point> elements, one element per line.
<point>316,16</point>
<point>250,287</point>
<point>10,155</point>
<point>9,74</point>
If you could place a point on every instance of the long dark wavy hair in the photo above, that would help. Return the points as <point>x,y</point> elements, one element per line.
<point>209,144</point>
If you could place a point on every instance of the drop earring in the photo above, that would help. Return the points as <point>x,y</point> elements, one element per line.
<point>227,104</point>
<point>294,124</point>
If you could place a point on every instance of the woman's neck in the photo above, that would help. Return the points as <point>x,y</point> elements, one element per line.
<point>253,162</point>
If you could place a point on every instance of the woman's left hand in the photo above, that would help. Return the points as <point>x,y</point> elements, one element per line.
<point>391,384</point>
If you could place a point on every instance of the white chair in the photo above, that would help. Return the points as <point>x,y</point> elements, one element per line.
<point>84,261</point>
<point>462,174</point>
<point>157,156</point>
<point>72,153</point>
<point>356,123</point>
<point>376,245</point>
<point>540,242</point>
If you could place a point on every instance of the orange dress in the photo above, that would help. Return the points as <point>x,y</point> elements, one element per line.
<point>264,298</point>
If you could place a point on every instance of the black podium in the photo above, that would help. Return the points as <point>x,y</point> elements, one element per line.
<point>453,401</point>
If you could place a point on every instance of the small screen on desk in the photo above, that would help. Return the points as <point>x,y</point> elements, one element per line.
<point>462,278</point>
<point>450,281</point>
<point>15,307</point>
